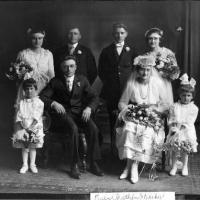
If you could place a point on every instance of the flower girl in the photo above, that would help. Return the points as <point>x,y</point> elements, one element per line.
<point>182,138</point>
<point>28,133</point>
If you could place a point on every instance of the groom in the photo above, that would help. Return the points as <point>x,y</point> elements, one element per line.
<point>73,100</point>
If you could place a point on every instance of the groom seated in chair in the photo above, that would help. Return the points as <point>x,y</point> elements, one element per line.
<point>73,101</point>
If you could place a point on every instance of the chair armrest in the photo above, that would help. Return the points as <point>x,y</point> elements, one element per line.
<point>46,118</point>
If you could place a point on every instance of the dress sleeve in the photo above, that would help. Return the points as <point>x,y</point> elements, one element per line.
<point>20,56</point>
<point>172,57</point>
<point>51,72</point>
<point>38,109</point>
<point>192,114</point>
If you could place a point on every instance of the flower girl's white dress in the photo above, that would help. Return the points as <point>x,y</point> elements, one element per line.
<point>29,110</point>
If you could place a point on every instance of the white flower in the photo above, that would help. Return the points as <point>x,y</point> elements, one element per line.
<point>79,52</point>
<point>78,84</point>
<point>127,48</point>
<point>141,118</point>
<point>160,65</point>
<point>139,112</point>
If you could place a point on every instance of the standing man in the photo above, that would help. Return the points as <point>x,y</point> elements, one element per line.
<point>73,100</point>
<point>86,64</point>
<point>115,66</point>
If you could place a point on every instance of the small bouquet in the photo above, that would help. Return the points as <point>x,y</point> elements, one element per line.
<point>166,67</point>
<point>29,137</point>
<point>19,70</point>
<point>144,115</point>
<point>181,146</point>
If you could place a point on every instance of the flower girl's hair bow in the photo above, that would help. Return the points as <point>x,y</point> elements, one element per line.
<point>185,80</point>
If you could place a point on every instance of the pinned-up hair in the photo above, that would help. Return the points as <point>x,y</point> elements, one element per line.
<point>28,83</point>
<point>32,30</point>
<point>153,30</point>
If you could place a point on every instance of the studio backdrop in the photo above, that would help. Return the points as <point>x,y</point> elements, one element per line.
<point>179,21</point>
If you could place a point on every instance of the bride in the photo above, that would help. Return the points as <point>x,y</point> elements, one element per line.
<point>135,141</point>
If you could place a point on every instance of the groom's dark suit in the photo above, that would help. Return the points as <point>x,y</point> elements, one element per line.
<point>74,102</point>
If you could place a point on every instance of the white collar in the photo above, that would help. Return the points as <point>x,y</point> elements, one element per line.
<point>73,45</point>
<point>120,44</point>
<point>71,79</point>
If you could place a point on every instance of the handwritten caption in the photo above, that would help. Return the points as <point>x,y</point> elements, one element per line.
<point>133,196</point>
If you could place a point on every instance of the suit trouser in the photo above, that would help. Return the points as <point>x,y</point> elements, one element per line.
<point>73,123</point>
<point>112,113</point>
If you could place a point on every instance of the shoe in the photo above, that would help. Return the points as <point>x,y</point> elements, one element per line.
<point>95,169</point>
<point>124,174</point>
<point>173,171</point>
<point>24,169</point>
<point>75,173</point>
<point>34,169</point>
<point>83,167</point>
<point>185,171</point>
<point>134,173</point>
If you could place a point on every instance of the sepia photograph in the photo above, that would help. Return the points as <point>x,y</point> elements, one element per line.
<point>100,100</point>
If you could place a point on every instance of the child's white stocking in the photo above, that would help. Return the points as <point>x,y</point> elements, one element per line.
<point>185,165</point>
<point>32,157</point>
<point>25,156</point>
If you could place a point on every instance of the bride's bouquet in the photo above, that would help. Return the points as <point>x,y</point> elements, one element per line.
<point>143,115</point>
<point>19,70</point>
<point>166,67</point>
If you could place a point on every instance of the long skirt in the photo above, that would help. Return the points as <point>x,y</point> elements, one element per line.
<point>137,142</point>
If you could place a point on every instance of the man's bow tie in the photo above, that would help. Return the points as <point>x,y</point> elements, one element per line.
<point>119,45</point>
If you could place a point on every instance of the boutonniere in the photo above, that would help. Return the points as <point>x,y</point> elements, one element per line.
<point>127,48</point>
<point>78,84</point>
<point>79,52</point>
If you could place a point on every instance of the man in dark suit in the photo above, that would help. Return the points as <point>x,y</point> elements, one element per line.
<point>73,100</point>
<point>115,66</point>
<point>86,64</point>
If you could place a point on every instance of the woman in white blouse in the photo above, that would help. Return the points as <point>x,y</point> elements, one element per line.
<point>40,59</point>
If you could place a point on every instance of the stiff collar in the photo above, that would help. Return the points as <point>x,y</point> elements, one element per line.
<point>120,44</point>
<point>71,79</point>
<point>73,45</point>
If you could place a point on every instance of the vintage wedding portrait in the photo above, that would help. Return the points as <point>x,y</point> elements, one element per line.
<point>99,97</point>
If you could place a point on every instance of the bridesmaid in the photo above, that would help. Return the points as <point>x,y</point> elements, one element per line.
<point>40,59</point>
<point>162,55</point>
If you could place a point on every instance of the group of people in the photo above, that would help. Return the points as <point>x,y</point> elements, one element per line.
<point>62,82</point>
